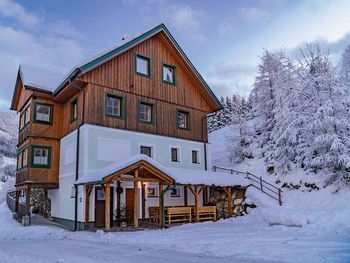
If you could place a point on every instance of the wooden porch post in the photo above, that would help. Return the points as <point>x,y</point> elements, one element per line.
<point>143,196</point>
<point>160,203</point>
<point>108,207</point>
<point>136,200</point>
<point>118,199</point>
<point>228,192</point>
<point>17,201</point>
<point>185,196</point>
<point>196,201</point>
<point>27,205</point>
<point>88,190</point>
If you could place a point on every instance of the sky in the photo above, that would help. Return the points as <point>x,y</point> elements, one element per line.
<point>223,39</point>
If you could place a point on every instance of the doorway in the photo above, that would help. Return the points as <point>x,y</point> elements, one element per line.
<point>129,203</point>
<point>100,198</point>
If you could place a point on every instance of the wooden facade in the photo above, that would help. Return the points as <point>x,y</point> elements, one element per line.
<point>116,75</point>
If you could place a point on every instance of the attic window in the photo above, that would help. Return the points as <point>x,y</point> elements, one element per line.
<point>143,65</point>
<point>74,109</point>
<point>169,74</point>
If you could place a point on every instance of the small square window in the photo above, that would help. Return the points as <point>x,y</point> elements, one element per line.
<point>74,110</point>
<point>143,65</point>
<point>41,156</point>
<point>195,157</point>
<point>42,113</point>
<point>114,105</point>
<point>152,192</point>
<point>145,112</point>
<point>169,74</point>
<point>174,155</point>
<point>182,119</point>
<point>146,150</point>
<point>175,192</point>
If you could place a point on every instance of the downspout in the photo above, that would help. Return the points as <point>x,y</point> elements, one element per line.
<point>79,123</point>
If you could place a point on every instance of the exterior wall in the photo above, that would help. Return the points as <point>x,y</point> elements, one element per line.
<point>100,146</point>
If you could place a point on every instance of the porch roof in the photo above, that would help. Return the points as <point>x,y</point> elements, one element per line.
<point>180,176</point>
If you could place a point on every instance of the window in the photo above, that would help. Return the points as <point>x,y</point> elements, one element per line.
<point>169,74</point>
<point>183,120</point>
<point>146,112</point>
<point>100,194</point>
<point>195,157</point>
<point>143,65</point>
<point>41,156</point>
<point>175,192</point>
<point>146,150</point>
<point>74,110</point>
<point>174,155</point>
<point>43,113</point>
<point>22,159</point>
<point>114,105</point>
<point>24,117</point>
<point>152,192</point>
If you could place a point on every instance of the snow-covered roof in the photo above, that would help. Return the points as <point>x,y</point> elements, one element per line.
<point>39,78</point>
<point>179,175</point>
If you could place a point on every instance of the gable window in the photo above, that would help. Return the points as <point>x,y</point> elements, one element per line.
<point>143,65</point>
<point>24,117</point>
<point>22,159</point>
<point>74,110</point>
<point>183,119</point>
<point>174,155</point>
<point>43,113</point>
<point>146,112</point>
<point>41,156</point>
<point>169,74</point>
<point>147,150</point>
<point>114,105</point>
<point>175,192</point>
<point>195,157</point>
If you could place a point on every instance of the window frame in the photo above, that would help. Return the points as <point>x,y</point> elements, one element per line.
<point>153,112</point>
<point>122,105</point>
<point>20,152</point>
<point>197,156</point>
<point>178,192</point>
<point>24,114</point>
<point>147,146</point>
<point>149,75</point>
<point>177,155</point>
<point>155,195</point>
<point>50,116</point>
<point>32,164</point>
<point>71,115</point>
<point>174,74</point>
<point>188,122</point>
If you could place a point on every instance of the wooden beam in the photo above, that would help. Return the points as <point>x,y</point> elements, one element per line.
<point>136,200</point>
<point>185,196</point>
<point>160,203</point>
<point>107,207</point>
<point>118,200</point>
<point>27,205</point>
<point>196,191</point>
<point>143,196</point>
<point>88,190</point>
<point>17,201</point>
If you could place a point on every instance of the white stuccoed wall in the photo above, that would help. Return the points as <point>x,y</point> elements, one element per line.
<point>100,146</point>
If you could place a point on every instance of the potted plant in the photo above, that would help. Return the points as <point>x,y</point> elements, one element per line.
<point>121,215</point>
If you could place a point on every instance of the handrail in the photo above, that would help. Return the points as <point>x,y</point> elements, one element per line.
<point>262,185</point>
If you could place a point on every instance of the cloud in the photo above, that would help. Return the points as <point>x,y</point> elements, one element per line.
<point>253,13</point>
<point>13,10</point>
<point>54,44</point>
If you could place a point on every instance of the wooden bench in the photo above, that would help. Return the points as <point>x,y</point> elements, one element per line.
<point>154,214</point>
<point>180,214</point>
<point>205,213</point>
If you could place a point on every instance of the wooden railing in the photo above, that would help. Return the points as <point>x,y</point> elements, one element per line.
<point>257,182</point>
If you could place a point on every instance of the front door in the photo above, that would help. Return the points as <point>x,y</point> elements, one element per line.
<point>100,207</point>
<point>129,203</point>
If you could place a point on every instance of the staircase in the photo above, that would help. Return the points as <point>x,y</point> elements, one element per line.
<point>256,182</point>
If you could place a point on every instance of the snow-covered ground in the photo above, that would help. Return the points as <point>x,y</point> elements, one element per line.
<point>310,227</point>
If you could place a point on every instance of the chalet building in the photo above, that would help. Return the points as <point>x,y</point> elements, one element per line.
<point>122,136</point>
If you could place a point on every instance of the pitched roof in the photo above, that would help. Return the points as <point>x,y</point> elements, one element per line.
<point>180,176</point>
<point>38,78</point>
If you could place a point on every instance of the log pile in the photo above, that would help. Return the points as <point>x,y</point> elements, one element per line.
<point>40,202</point>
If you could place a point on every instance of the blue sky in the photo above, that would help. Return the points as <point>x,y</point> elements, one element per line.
<point>222,38</point>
